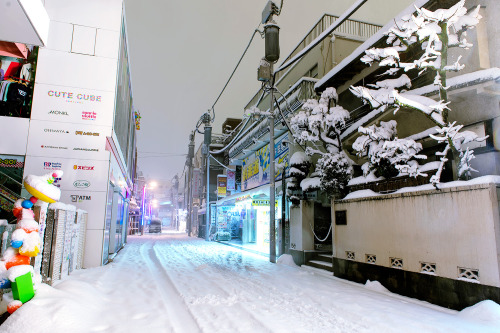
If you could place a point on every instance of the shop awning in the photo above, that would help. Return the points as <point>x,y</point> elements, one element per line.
<point>24,21</point>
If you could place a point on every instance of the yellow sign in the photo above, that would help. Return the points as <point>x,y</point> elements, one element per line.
<point>221,185</point>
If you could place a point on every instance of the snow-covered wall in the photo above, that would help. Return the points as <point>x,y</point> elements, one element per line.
<point>452,228</point>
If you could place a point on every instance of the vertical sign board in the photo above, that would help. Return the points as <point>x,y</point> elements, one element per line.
<point>256,167</point>
<point>196,183</point>
<point>231,180</point>
<point>221,185</point>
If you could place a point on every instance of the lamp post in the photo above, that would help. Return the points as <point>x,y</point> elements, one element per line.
<point>143,204</point>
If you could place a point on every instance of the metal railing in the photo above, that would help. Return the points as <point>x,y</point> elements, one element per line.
<point>349,27</point>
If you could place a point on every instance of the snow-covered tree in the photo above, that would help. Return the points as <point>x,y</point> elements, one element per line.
<point>434,32</point>
<point>318,124</point>
<point>300,164</point>
<point>387,155</point>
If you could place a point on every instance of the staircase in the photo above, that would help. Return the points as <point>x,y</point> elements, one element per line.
<point>321,261</point>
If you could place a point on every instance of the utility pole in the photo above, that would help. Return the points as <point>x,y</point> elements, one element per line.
<point>207,120</point>
<point>272,54</point>
<point>189,163</point>
<point>272,190</point>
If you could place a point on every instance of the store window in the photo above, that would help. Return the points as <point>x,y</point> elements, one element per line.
<point>11,177</point>
<point>17,78</point>
<point>244,221</point>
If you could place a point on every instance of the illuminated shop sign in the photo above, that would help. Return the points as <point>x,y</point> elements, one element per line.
<point>261,202</point>
<point>256,167</point>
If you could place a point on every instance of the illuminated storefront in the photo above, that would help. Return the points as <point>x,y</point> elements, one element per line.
<point>243,220</point>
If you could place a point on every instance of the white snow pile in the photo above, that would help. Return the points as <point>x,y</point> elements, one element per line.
<point>364,180</point>
<point>4,222</point>
<point>299,157</point>
<point>17,271</point>
<point>361,194</point>
<point>310,184</point>
<point>62,206</point>
<point>287,260</point>
<point>487,311</point>
<point>376,286</point>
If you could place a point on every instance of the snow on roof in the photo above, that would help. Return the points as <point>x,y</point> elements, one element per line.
<point>459,81</point>
<point>366,45</point>
<point>456,82</point>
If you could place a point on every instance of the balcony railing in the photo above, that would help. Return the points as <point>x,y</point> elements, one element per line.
<point>349,27</point>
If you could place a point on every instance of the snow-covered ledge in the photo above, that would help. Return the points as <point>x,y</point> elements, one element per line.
<point>453,229</point>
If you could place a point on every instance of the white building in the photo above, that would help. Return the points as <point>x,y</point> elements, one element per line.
<point>81,119</point>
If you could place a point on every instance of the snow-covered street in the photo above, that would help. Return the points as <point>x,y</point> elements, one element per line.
<point>172,283</point>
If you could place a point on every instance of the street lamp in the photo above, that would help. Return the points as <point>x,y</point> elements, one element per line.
<point>146,187</point>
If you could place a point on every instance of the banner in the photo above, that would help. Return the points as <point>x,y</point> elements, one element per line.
<point>256,171</point>
<point>231,180</point>
<point>221,185</point>
<point>11,161</point>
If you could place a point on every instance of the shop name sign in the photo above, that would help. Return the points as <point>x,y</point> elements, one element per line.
<point>262,202</point>
<point>81,183</point>
<point>70,96</point>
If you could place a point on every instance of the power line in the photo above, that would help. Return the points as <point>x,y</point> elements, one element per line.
<point>234,71</point>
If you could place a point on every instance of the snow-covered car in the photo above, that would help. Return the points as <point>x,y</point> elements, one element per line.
<point>155,226</point>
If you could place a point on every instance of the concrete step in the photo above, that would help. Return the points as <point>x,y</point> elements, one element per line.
<point>323,256</point>
<point>328,266</point>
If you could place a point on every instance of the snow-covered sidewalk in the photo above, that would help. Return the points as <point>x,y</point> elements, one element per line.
<point>172,283</point>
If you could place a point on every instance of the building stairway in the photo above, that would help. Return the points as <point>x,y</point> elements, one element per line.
<point>321,261</point>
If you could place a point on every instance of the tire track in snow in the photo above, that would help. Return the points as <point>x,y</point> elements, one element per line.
<point>178,313</point>
<point>214,285</point>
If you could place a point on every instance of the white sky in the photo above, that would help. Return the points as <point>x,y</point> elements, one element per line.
<point>182,53</point>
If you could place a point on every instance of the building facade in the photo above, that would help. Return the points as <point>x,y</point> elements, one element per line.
<point>81,118</point>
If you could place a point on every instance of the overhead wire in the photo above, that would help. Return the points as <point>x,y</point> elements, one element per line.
<point>234,70</point>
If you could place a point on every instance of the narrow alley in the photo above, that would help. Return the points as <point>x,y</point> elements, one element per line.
<point>173,283</point>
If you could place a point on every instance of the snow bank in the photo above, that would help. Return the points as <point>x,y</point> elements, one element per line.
<point>287,260</point>
<point>376,286</point>
<point>488,311</point>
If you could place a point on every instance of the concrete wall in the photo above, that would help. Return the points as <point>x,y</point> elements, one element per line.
<point>451,228</point>
<point>301,219</point>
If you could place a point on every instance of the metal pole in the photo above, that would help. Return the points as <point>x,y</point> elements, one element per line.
<point>272,192</point>
<point>207,206</point>
<point>143,209</point>
<point>190,198</point>
<point>283,213</point>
